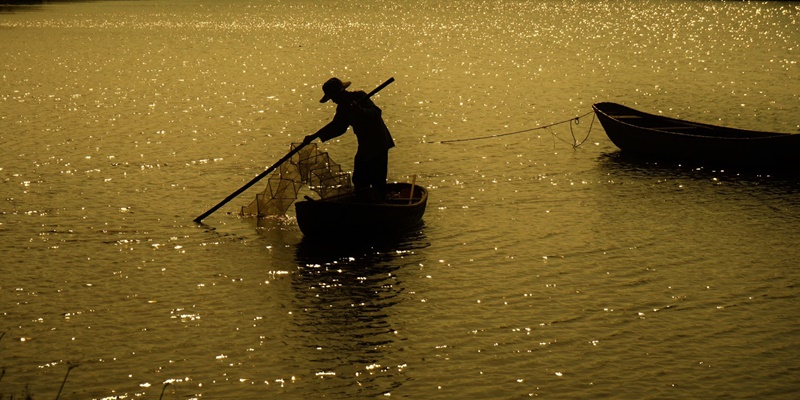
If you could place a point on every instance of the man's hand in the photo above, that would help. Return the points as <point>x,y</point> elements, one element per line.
<point>308,139</point>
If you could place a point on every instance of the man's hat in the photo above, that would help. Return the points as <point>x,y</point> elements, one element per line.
<point>333,87</point>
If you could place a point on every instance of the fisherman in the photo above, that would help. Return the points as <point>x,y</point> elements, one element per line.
<point>371,164</point>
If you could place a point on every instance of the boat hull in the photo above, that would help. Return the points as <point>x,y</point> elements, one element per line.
<point>345,216</point>
<point>636,132</point>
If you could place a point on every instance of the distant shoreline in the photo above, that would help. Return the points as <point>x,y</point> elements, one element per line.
<point>9,3</point>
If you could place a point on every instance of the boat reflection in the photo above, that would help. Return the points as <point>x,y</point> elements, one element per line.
<point>349,243</point>
<point>346,294</point>
<point>637,167</point>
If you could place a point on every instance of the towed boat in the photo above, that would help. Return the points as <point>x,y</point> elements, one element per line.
<point>400,210</point>
<point>637,132</point>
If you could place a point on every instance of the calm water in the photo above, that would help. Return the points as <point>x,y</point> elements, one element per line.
<point>543,270</point>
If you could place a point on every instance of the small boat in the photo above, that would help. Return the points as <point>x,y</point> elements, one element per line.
<point>347,215</point>
<point>640,133</point>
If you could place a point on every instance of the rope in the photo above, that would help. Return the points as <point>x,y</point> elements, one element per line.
<point>571,121</point>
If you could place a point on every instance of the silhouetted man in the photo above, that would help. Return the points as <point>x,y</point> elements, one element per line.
<point>371,164</point>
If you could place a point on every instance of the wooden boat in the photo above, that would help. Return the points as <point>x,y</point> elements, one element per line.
<point>637,132</point>
<point>346,215</point>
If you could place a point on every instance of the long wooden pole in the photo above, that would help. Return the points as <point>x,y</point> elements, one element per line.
<point>272,168</point>
<point>65,379</point>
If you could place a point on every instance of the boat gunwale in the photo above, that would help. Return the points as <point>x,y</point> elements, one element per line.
<point>337,199</point>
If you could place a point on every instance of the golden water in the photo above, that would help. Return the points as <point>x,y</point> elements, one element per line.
<point>542,270</point>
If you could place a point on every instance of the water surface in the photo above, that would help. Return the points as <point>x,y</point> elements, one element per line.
<point>543,269</point>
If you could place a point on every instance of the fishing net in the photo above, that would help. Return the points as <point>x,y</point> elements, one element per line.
<point>309,166</point>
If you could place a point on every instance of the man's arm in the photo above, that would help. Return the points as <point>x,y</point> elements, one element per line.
<point>333,129</point>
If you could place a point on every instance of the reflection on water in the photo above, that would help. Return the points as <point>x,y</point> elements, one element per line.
<point>329,250</point>
<point>734,218</point>
<point>346,293</point>
<point>632,167</point>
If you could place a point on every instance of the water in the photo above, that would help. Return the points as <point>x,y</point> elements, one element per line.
<point>543,270</point>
